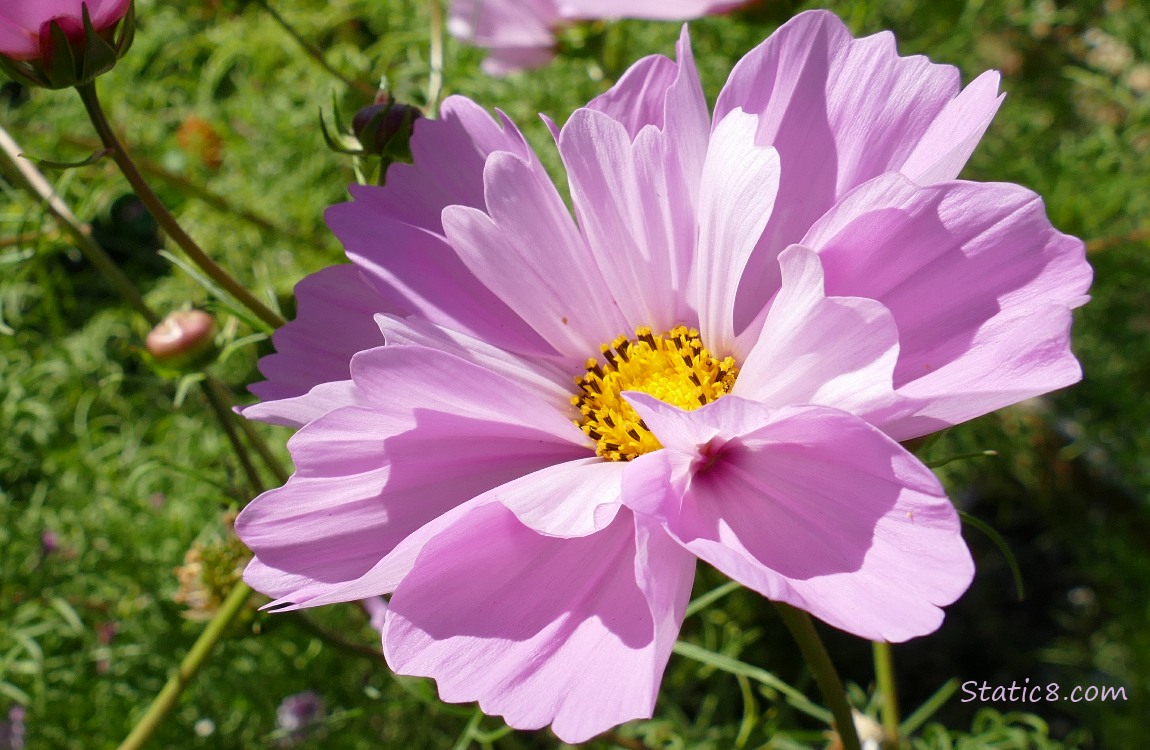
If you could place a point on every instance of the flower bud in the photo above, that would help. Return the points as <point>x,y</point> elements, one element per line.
<point>384,128</point>
<point>60,43</point>
<point>182,338</point>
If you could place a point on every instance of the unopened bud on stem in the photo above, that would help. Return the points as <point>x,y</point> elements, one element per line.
<point>60,43</point>
<point>182,338</point>
<point>384,128</point>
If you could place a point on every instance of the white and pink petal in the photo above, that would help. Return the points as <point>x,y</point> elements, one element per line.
<point>841,111</point>
<point>740,183</point>
<point>978,281</point>
<point>526,250</point>
<point>815,349</point>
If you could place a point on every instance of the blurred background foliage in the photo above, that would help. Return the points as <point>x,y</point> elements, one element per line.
<point>112,477</point>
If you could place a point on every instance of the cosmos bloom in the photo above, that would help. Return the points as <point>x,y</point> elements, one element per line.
<point>24,24</point>
<point>520,33</point>
<point>527,427</point>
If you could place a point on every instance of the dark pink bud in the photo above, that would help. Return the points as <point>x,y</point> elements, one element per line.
<point>60,43</point>
<point>384,128</point>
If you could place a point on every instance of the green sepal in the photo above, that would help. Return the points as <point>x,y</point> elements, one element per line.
<point>62,68</point>
<point>99,56</point>
<point>337,141</point>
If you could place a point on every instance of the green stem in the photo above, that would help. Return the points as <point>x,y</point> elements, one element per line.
<point>819,661</point>
<point>27,175</point>
<point>160,212</point>
<point>257,440</point>
<point>435,78</point>
<point>166,700</point>
<point>884,676</point>
<point>226,419</point>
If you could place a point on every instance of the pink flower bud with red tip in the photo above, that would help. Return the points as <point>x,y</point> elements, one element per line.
<point>182,338</point>
<point>61,43</point>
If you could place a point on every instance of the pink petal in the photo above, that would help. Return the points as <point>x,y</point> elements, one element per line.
<point>427,382</point>
<point>376,608</point>
<point>504,61</point>
<point>814,349</point>
<point>448,154</point>
<point>334,320</point>
<point>395,235</point>
<point>951,138</point>
<point>368,477</point>
<point>839,111</point>
<point>634,157</point>
<point>740,182</point>
<point>296,411</point>
<point>667,95</point>
<point>518,32</point>
<point>503,23</point>
<point>978,282</point>
<point>657,10</point>
<point>420,268</point>
<point>22,20</point>
<point>17,41</point>
<point>813,507</point>
<point>540,630</point>
<point>105,13</point>
<point>1013,357</point>
<point>549,378</point>
<point>527,250</point>
<point>572,499</point>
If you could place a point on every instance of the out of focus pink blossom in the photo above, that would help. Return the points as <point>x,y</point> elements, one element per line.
<point>520,33</point>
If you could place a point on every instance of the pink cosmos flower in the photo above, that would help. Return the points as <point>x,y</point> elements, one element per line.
<point>25,24</point>
<point>785,288</point>
<point>520,33</point>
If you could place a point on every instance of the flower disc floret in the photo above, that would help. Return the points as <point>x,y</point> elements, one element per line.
<point>674,367</point>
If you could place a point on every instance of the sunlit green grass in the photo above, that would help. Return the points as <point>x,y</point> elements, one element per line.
<point>95,451</point>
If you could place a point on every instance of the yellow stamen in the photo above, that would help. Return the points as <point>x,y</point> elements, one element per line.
<point>674,367</point>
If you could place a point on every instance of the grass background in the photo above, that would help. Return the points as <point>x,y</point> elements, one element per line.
<point>110,473</point>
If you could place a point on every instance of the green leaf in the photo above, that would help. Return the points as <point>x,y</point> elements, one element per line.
<point>1003,547</point>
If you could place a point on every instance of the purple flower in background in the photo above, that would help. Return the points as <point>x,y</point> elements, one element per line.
<point>376,608</point>
<point>297,713</point>
<point>520,33</point>
<point>12,730</point>
<point>528,427</point>
<point>49,542</point>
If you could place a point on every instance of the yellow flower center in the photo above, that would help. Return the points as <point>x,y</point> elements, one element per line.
<point>675,368</point>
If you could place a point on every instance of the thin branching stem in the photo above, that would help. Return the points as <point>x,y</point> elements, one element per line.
<point>314,52</point>
<point>254,437</point>
<point>227,421</point>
